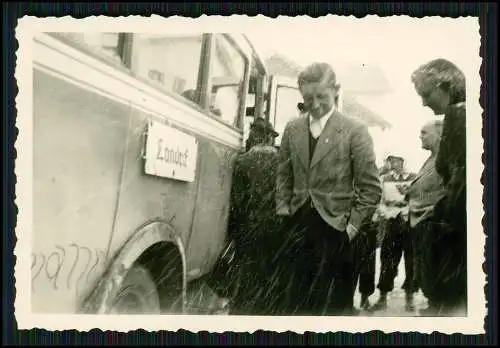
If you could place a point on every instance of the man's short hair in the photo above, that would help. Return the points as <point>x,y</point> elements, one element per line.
<point>318,73</point>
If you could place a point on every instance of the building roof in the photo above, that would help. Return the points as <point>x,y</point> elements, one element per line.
<point>281,65</point>
<point>354,108</point>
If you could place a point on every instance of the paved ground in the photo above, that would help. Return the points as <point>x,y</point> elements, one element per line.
<point>201,300</point>
<point>396,299</point>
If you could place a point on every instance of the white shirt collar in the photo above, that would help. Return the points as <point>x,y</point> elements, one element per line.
<point>317,125</point>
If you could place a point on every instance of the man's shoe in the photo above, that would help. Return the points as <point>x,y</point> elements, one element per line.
<point>380,305</point>
<point>365,303</point>
<point>409,306</point>
<point>429,312</point>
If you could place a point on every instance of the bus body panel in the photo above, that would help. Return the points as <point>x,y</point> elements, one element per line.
<point>79,144</point>
<point>112,135</point>
<point>145,197</point>
<point>212,206</point>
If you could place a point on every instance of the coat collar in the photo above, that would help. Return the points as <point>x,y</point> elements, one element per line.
<point>323,120</point>
<point>326,141</point>
<point>426,168</point>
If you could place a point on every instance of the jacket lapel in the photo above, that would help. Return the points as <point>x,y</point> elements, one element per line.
<point>326,142</point>
<point>425,169</point>
<point>301,140</point>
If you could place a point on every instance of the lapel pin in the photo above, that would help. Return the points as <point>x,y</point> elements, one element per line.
<point>327,140</point>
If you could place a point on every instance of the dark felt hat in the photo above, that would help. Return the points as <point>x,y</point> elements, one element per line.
<point>263,126</point>
<point>397,157</point>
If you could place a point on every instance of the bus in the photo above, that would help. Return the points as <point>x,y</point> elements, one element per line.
<point>135,136</point>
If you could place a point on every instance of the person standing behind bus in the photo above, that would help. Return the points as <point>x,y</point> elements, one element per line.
<point>327,186</point>
<point>252,219</point>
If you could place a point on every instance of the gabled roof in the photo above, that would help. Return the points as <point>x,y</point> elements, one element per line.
<point>354,108</point>
<point>278,64</point>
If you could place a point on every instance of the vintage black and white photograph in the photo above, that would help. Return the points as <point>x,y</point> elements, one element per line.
<point>241,173</point>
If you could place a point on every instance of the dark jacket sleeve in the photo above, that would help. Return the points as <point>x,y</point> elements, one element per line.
<point>451,166</point>
<point>456,186</point>
<point>442,158</point>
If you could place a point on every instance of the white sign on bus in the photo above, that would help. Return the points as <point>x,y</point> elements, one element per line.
<point>170,153</point>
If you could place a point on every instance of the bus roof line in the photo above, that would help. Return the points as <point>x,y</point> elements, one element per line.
<point>258,58</point>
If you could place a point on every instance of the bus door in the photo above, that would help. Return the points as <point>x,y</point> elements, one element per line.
<point>284,97</point>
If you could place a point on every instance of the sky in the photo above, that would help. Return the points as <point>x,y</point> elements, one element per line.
<point>397,45</point>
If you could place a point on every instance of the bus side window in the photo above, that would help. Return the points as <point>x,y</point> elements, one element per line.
<point>227,73</point>
<point>169,61</point>
<point>106,43</point>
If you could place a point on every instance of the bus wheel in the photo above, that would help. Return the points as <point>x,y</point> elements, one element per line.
<point>138,293</point>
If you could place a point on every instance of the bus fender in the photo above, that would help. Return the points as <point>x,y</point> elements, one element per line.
<point>149,234</point>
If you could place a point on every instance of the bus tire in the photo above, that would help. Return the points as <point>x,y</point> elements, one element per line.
<point>138,293</point>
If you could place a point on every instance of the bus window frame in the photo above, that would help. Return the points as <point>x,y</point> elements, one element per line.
<point>197,105</point>
<point>124,65</point>
<point>238,123</point>
<point>120,64</point>
<point>277,81</point>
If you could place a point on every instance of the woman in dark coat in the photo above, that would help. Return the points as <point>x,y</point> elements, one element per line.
<point>441,86</point>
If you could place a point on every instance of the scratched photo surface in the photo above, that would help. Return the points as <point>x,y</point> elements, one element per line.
<point>206,175</point>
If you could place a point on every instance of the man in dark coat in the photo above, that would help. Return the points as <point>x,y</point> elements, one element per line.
<point>252,221</point>
<point>422,195</point>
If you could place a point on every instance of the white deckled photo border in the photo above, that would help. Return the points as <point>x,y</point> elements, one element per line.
<point>28,26</point>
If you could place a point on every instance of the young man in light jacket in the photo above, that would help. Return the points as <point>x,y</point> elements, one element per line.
<point>327,186</point>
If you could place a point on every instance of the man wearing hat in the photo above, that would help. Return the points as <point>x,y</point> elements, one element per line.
<point>252,218</point>
<point>327,186</point>
<point>396,241</point>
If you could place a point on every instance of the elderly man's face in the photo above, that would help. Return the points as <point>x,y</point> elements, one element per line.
<point>318,97</point>
<point>429,136</point>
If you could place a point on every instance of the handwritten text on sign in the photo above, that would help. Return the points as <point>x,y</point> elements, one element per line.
<point>170,153</point>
